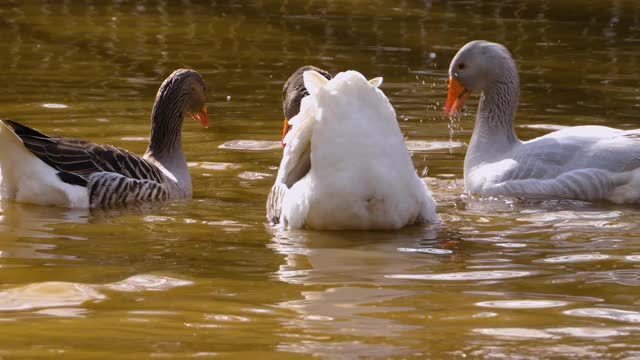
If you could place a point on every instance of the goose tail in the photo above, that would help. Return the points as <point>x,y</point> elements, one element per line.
<point>26,178</point>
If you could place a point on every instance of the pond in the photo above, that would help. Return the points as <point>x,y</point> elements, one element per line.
<point>207,278</point>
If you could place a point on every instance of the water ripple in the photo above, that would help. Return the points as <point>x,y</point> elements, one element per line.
<point>606,313</point>
<point>55,106</point>
<point>251,145</point>
<point>589,332</point>
<point>424,146</point>
<point>570,215</point>
<point>61,294</point>
<point>465,276</point>
<point>217,166</point>
<point>522,304</point>
<point>252,175</point>
<point>227,318</point>
<point>546,127</point>
<point>47,294</point>
<point>147,283</point>
<point>64,312</point>
<point>575,258</point>
<point>515,333</point>
<point>551,333</point>
<point>432,251</point>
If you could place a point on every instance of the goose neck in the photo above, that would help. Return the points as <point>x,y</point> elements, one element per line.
<point>165,143</point>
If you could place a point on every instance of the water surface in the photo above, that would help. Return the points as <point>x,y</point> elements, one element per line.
<point>207,278</point>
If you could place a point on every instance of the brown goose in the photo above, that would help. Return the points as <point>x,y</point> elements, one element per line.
<point>41,169</point>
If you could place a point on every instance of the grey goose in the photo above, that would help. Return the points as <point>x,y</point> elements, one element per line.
<point>47,170</point>
<point>589,163</point>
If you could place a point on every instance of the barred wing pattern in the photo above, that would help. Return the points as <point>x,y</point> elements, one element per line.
<point>274,202</point>
<point>114,190</point>
<point>112,175</point>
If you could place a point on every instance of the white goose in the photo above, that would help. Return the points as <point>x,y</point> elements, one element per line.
<point>345,164</point>
<point>584,162</point>
<point>47,170</point>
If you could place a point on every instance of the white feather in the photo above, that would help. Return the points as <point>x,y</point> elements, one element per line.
<point>26,178</point>
<point>361,173</point>
<point>376,82</point>
<point>314,81</point>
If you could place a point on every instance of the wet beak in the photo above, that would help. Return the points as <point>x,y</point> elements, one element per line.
<point>285,129</point>
<point>456,97</point>
<point>201,117</point>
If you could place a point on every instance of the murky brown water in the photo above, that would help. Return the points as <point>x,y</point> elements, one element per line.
<point>208,278</point>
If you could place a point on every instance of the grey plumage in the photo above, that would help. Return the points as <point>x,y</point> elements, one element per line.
<point>116,177</point>
<point>294,91</point>
<point>583,162</point>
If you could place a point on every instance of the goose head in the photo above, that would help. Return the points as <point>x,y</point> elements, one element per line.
<point>184,93</point>
<point>292,94</point>
<point>181,94</point>
<point>475,68</point>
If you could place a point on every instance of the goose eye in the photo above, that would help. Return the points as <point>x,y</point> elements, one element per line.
<point>461,66</point>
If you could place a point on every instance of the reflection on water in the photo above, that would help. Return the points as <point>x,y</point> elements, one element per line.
<point>59,294</point>
<point>45,295</point>
<point>499,278</point>
<point>250,145</point>
<point>348,307</point>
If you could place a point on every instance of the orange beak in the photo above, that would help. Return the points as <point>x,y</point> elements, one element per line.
<point>285,130</point>
<point>456,97</point>
<point>201,117</point>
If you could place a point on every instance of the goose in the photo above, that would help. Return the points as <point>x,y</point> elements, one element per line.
<point>588,163</point>
<point>292,94</point>
<point>345,164</point>
<point>47,170</point>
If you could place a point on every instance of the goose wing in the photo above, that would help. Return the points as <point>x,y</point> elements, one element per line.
<point>295,164</point>
<point>78,159</point>
<point>585,162</point>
